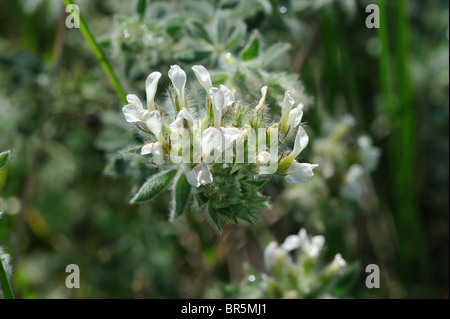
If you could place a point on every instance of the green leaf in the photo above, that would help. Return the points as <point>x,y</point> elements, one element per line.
<point>4,282</point>
<point>273,53</point>
<point>197,30</point>
<point>221,29</point>
<point>153,186</point>
<point>4,158</point>
<point>181,193</point>
<point>257,182</point>
<point>251,50</point>
<point>234,38</point>
<point>344,282</point>
<point>140,8</point>
<point>214,217</point>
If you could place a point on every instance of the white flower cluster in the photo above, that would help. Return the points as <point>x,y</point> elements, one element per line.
<point>180,128</point>
<point>279,261</point>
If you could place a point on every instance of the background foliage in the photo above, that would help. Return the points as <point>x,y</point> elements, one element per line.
<point>376,109</point>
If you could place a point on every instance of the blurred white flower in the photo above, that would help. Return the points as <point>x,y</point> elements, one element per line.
<point>312,247</point>
<point>370,153</point>
<point>354,186</point>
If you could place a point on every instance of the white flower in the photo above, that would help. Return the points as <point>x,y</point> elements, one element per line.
<point>217,104</point>
<point>178,78</point>
<point>262,99</point>
<point>203,77</point>
<point>301,140</point>
<point>154,123</point>
<point>199,175</point>
<point>337,266</point>
<point>151,85</point>
<point>288,102</point>
<point>211,139</point>
<point>291,242</point>
<point>354,186</point>
<point>276,256</point>
<point>299,172</point>
<point>294,119</point>
<point>220,97</point>
<point>177,125</point>
<point>156,150</point>
<point>229,135</point>
<point>311,246</point>
<point>370,153</point>
<point>262,158</point>
<point>134,111</point>
<point>228,96</point>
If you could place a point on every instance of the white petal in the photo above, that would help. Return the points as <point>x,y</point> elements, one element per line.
<point>263,158</point>
<point>156,150</point>
<point>203,76</point>
<point>133,113</point>
<point>147,149</point>
<point>151,85</point>
<point>133,99</point>
<point>295,117</point>
<point>301,140</point>
<point>300,172</point>
<point>288,102</point>
<point>186,115</point>
<point>262,99</point>
<point>270,254</point>
<point>154,122</point>
<point>339,261</point>
<point>302,234</point>
<point>315,246</point>
<point>206,177</point>
<point>211,139</point>
<point>228,96</point>
<point>178,78</point>
<point>230,134</point>
<point>158,155</point>
<point>217,100</point>
<point>176,125</point>
<point>192,176</point>
<point>291,242</point>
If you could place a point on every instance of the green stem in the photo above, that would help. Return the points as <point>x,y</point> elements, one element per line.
<point>412,234</point>
<point>4,282</point>
<point>399,112</point>
<point>100,57</point>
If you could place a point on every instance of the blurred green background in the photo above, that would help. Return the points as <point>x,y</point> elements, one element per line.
<point>376,109</point>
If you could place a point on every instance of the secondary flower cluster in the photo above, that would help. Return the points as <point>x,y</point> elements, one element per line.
<point>196,133</point>
<point>295,270</point>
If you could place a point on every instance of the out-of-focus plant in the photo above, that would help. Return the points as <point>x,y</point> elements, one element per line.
<point>5,267</point>
<point>295,270</point>
<point>346,161</point>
